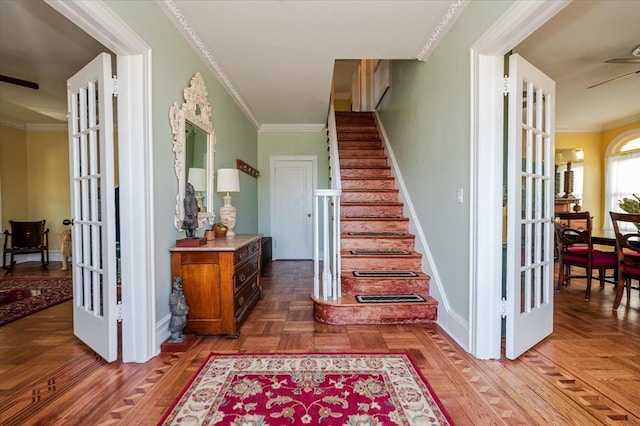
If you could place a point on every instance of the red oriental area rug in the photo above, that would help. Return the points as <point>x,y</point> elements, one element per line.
<point>313,389</point>
<point>21,296</point>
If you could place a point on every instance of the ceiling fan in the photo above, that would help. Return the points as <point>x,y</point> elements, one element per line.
<point>19,82</point>
<point>633,59</point>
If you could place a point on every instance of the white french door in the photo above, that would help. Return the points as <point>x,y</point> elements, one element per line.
<point>89,97</point>
<point>292,184</point>
<point>530,207</point>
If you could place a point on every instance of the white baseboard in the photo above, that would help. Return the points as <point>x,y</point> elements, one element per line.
<point>456,326</point>
<point>162,331</point>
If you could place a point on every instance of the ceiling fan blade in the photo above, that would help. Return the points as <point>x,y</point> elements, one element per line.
<point>615,78</point>
<point>18,82</point>
<point>630,60</point>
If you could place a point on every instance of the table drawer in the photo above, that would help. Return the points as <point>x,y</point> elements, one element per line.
<point>244,253</point>
<point>244,273</point>
<point>246,294</point>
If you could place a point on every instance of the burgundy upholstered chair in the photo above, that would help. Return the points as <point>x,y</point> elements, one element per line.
<point>575,249</point>
<point>628,250</point>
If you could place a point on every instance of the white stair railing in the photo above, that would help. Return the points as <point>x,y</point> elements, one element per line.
<point>327,201</point>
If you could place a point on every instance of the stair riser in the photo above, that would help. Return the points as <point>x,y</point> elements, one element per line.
<point>353,285</point>
<point>382,313</point>
<point>371,211</point>
<point>355,243</point>
<point>370,184</point>
<point>361,153</point>
<point>346,172</point>
<point>359,145</point>
<point>363,197</point>
<point>346,162</point>
<point>368,127</point>
<point>374,226</point>
<point>381,263</point>
<point>356,136</point>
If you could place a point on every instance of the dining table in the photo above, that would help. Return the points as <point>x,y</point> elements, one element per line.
<point>603,237</point>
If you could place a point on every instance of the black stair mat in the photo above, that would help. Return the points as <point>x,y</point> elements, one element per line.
<point>381,252</point>
<point>389,298</point>
<point>374,274</point>
<point>376,234</point>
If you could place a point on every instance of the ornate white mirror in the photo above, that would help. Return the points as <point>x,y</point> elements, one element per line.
<point>194,141</point>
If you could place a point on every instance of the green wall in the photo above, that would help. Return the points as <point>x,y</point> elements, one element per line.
<point>287,143</point>
<point>173,65</point>
<point>426,116</point>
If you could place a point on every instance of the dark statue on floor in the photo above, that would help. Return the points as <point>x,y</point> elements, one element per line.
<point>190,221</point>
<point>179,310</point>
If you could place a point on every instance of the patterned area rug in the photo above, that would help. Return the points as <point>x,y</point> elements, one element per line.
<point>21,296</point>
<point>314,389</point>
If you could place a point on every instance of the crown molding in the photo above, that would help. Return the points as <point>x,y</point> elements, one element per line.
<point>447,21</point>
<point>599,128</point>
<point>34,127</point>
<point>13,123</point>
<point>578,129</point>
<point>291,127</point>
<point>622,122</point>
<point>175,14</point>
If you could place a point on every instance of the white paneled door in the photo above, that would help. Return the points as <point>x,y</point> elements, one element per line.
<point>530,207</point>
<point>90,104</point>
<point>291,201</point>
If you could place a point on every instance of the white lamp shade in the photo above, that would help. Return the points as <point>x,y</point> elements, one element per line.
<point>198,178</point>
<point>228,180</point>
<point>559,159</point>
<point>569,156</point>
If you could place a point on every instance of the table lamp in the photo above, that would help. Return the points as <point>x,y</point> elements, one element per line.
<point>228,181</point>
<point>559,160</point>
<point>568,156</point>
<point>198,179</point>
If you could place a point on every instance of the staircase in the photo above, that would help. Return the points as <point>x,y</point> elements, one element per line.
<point>378,253</point>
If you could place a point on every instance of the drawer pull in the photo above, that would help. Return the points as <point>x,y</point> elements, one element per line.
<point>241,301</point>
<point>254,285</point>
<point>242,277</point>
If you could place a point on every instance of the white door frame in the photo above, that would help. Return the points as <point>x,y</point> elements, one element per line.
<point>485,263</point>
<point>135,170</point>
<point>272,190</point>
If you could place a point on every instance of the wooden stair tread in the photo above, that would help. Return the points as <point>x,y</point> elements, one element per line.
<point>360,190</point>
<point>378,236</point>
<point>376,203</point>
<point>371,218</point>
<point>350,300</point>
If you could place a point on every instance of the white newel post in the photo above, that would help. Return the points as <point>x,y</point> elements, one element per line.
<point>330,245</point>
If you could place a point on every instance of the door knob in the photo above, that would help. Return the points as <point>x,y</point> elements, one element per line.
<point>67,222</point>
<point>308,214</point>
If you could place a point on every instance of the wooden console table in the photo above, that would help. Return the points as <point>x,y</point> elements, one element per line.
<point>221,281</point>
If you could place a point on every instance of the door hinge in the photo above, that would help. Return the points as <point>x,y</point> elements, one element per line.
<point>114,83</point>
<point>118,312</point>
<point>503,307</point>
<point>505,88</point>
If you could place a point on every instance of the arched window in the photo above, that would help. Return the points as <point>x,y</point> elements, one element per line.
<point>622,172</point>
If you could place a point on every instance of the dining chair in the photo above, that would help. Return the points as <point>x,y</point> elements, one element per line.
<point>575,249</point>
<point>628,253</point>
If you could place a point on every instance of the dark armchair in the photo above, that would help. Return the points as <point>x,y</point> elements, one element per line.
<point>628,250</point>
<point>26,238</point>
<point>575,248</point>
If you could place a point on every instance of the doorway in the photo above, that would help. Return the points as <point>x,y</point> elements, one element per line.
<point>135,171</point>
<point>487,63</point>
<point>293,179</point>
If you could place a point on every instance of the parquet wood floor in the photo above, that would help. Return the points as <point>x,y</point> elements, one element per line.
<point>587,372</point>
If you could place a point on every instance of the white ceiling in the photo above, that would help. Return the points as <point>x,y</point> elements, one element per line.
<point>277,57</point>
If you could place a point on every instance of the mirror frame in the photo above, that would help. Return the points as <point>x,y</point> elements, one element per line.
<point>196,111</point>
